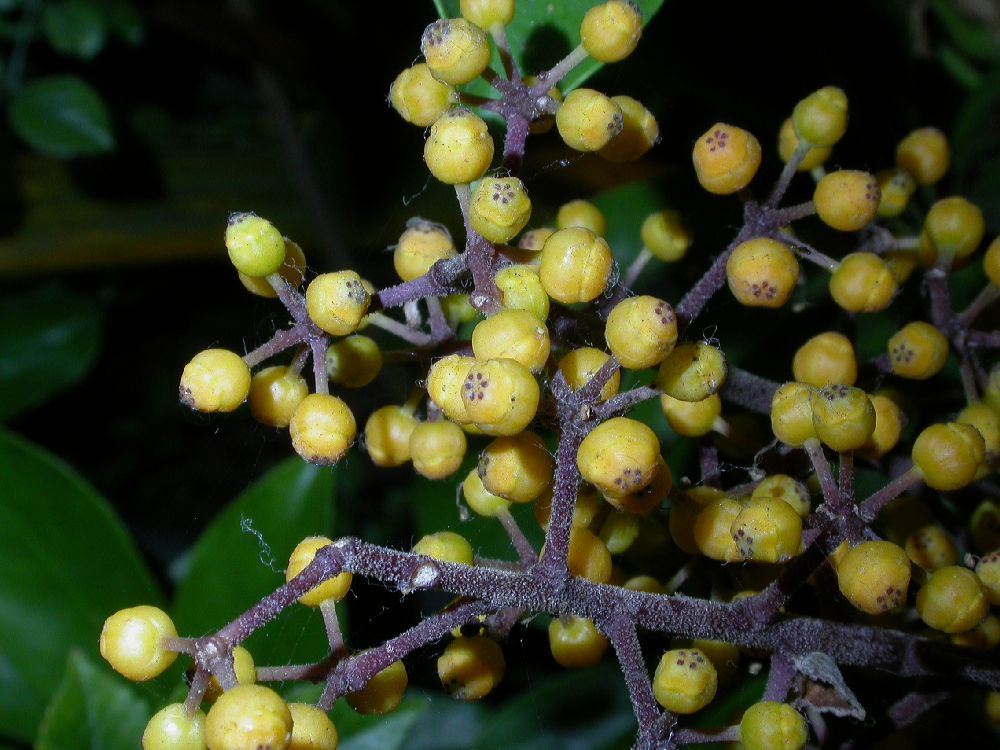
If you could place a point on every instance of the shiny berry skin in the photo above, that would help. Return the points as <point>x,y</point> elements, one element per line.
<point>335,588</point>
<point>788,490</point>
<point>767,530</point>
<point>847,199</point>
<point>579,366</point>
<point>500,396</point>
<point>953,229</point>
<point>762,273</point>
<point>131,642</point>
<point>843,417</point>
<point>456,51</point>
<point>874,576</point>
<point>172,728</point>
<point>243,667</point>
<point>581,213</point>
<point>575,265</point>
<point>640,132</point>
<point>255,246</point>
<point>512,334</point>
<point>773,726</point>
<point>791,414</point>
<point>889,423</point>
<point>685,681</point>
<point>644,501</point>
<point>641,331</point>
<point>665,236</point>
<point>337,301</point>
<point>862,282</point>
<point>248,717</point>
<point>293,267</point>
<point>987,421</point>
<point>446,546</point>
<point>925,154</point>
<point>485,13</point>
<point>712,530</point>
<point>444,385</point>
<point>422,244</point>
<point>788,142</point>
<point>619,456</point>
<point>931,548</point>
<point>353,361</point>
<point>521,289</point>
<point>387,436</point>
<point>820,119</point>
<point>691,418</point>
<point>825,359</point>
<point>953,600</point>
<point>610,31</point>
<point>587,120</point>
<point>311,728</point>
<point>726,158</point>
<point>383,693</point>
<point>215,380</point>
<point>275,393</point>
<point>518,468</point>
<point>692,372</point>
<point>481,500</point>
<point>897,187</point>
<point>588,557</point>
<point>618,531</point>
<point>322,429</point>
<point>437,448</point>
<point>470,668</point>
<point>499,208</point>
<point>419,97</point>
<point>948,455</point>
<point>575,642</point>
<point>459,148</point>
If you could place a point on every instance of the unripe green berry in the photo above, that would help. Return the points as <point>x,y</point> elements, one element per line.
<point>446,546</point>
<point>275,393</point>
<point>499,208</point>
<point>456,51</point>
<point>255,247</point>
<point>665,236</point>
<point>459,148</point>
<point>437,448</point>
<point>311,728</point>
<point>575,642</point>
<point>767,530</point>
<point>948,455</point>
<point>640,132</point>
<point>762,273</point>
<point>521,289</point>
<point>470,668</point>
<point>579,366</point>
<point>953,229</point>
<point>485,13</point>
<point>383,693</point>
<point>726,158</point>
<point>514,334</point>
<point>619,530</point>
<point>896,187</point>
<point>419,97</point>
<point>335,588</point>
<point>874,576</point>
<point>481,500</point>
<point>825,359</point>
<point>917,351</point>
<point>247,717</point>
<point>788,142</point>
<point>791,414</point>
<point>215,380</point>
<point>862,282</point>
<point>518,468</point>
<point>322,429</point>
<point>692,372</point>
<point>422,244</point>
<point>132,642</point>
<point>773,726</point>
<point>354,361</point>
<point>685,681</point>
<point>292,269</point>
<point>821,118</point>
<point>610,31</point>
<point>619,456</point>
<point>587,120</point>
<point>924,153</point>
<point>387,436</point>
<point>843,417</point>
<point>847,199</point>
<point>641,331</point>
<point>172,728</point>
<point>952,600</point>
<point>575,265</point>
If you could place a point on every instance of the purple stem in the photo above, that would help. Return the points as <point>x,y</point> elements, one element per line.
<point>625,402</point>
<point>278,343</point>
<point>985,299</point>
<point>442,279</point>
<point>987,339</point>
<point>941,313</point>
<point>748,390</point>
<point>703,736</point>
<point>517,538</point>
<point>787,173</point>
<point>779,679</point>
<point>514,141</point>
<point>318,345</point>
<point>845,478</point>
<point>821,466</point>
<point>709,462</point>
<point>912,706</point>
<point>566,482</point>
<point>400,330</point>
<point>869,509</point>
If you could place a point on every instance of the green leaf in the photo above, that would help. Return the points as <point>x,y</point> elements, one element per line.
<point>62,116</point>
<point>67,564</point>
<point>124,21</point>
<point>93,708</point>
<point>975,38</point>
<point>49,339</point>
<point>543,33</point>
<point>388,732</point>
<point>241,557</point>
<point>74,27</point>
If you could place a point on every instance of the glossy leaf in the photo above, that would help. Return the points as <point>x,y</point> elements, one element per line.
<point>67,564</point>
<point>49,339</point>
<point>241,557</point>
<point>62,116</point>
<point>93,708</point>
<point>74,27</point>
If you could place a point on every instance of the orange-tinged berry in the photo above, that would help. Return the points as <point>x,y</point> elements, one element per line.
<point>825,359</point>
<point>925,154</point>
<point>863,282</point>
<point>726,158</point>
<point>762,273</point>
<point>874,576</point>
<point>847,199</point>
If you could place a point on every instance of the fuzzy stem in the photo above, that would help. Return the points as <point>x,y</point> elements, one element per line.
<point>779,679</point>
<point>566,483</point>
<point>278,343</point>
<point>704,736</point>
<point>787,173</point>
<point>808,252</point>
<point>196,691</point>
<point>557,72</point>
<point>398,329</point>
<point>821,466</point>
<point>984,300</point>
<point>635,268</point>
<point>517,538</point>
<point>869,509</point>
<point>624,402</point>
<point>845,478</point>
<point>331,622</point>
<point>321,378</point>
<point>749,391</point>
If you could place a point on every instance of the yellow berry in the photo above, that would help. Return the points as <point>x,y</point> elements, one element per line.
<point>726,158</point>
<point>587,120</point>
<point>825,359</point>
<point>769,725</point>
<point>521,289</point>
<point>992,707</point>
<point>821,118</point>
<point>988,570</point>
<point>692,372</point>
<point>585,509</point>
<point>788,490</point>
<point>337,301</point>
<point>874,576</point>
<point>446,546</point>
<point>948,455</point>
<point>791,414</point>
<point>387,436</point>
<point>514,334</point>
<point>383,693</point>
<point>889,423</point>
<point>518,468</point>
<point>952,600</point>
<point>292,268</point>
<point>499,208</point>
<point>639,133</point>
<point>255,246</point>
<point>762,273</point>
<point>248,717</point>
<point>930,548</point>
<point>456,51</point>
<point>618,531</point>
<point>132,642</point>
<point>953,229</point>
<point>580,365</point>
<point>641,331</point>
<point>576,642</point>
<point>619,456</point>
<point>788,142</point>
<point>610,31</point>
<point>243,667</point>
<point>581,213</point>
<point>991,393</point>
<point>459,148</point>
<point>691,418</point>
<point>862,282</point>
<point>843,417</point>
<point>847,199</point>
<point>644,501</point>
<point>984,637</point>
<point>311,728</point>
<point>419,97</point>
<point>335,588</point>
<point>924,153</point>
<point>275,393</point>
<point>685,681</point>
<point>986,420</point>
<point>354,361</point>
<point>437,448</point>
<point>533,240</point>
<point>644,583</point>
<point>444,385</point>
<point>588,557</point>
<point>575,265</point>
<point>172,728</point>
<point>322,429</point>
<point>684,508</point>
<point>897,187</point>
<point>422,244</point>
<point>215,380</point>
<point>500,396</point>
<point>985,526</point>
<point>485,13</point>
<point>665,236</point>
<point>480,499</point>
<point>712,530</point>
<point>767,530</point>
<point>470,668</point>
